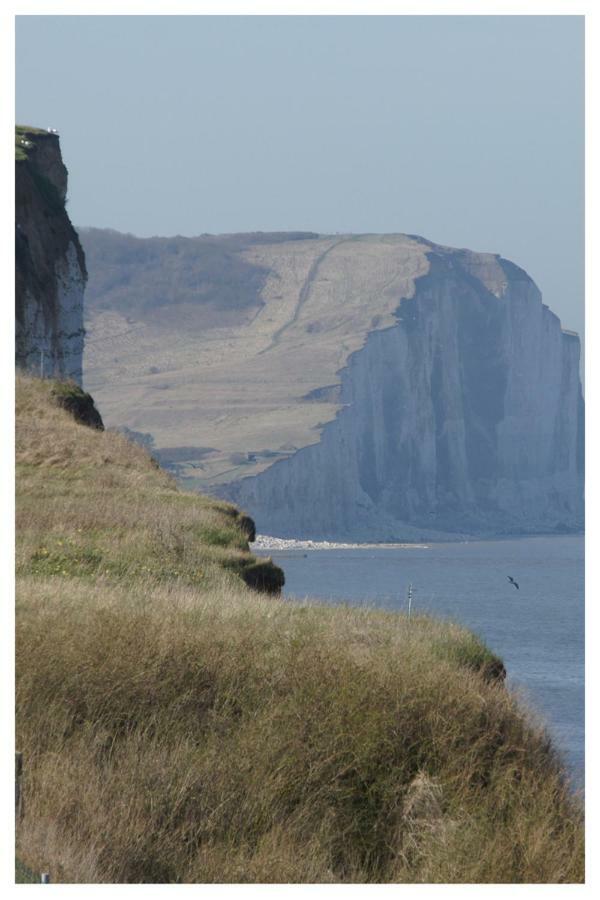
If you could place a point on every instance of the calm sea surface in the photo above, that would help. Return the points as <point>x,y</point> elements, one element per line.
<point>538,630</point>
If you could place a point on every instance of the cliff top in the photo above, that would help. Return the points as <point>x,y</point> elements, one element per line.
<point>26,138</point>
<point>38,152</point>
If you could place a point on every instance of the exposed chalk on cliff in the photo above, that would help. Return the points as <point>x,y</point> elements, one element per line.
<point>464,416</point>
<point>50,265</point>
<point>373,387</point>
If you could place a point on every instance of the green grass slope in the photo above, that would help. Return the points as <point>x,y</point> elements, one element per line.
<point>23,140</point>
<point>178,727</point>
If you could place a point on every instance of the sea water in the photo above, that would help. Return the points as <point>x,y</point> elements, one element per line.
<point>537,628</point>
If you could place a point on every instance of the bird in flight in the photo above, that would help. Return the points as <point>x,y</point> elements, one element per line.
<point>512,581</point>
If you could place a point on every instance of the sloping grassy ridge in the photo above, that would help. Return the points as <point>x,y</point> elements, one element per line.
<point>93,505</point>
<point>179,727</point>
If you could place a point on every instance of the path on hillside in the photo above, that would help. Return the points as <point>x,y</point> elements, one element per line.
<point>303,295</point>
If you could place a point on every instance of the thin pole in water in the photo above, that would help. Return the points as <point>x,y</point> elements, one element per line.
<point>410,592</point>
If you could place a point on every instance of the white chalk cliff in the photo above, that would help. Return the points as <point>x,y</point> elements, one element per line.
<point>50,265</point>
<point>342,387</point>
<point>466,415</point>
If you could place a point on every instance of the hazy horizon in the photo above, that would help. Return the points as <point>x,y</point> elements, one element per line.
<point>466,130</point>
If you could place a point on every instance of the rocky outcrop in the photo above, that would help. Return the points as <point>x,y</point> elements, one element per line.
<point>78,403</point>
<point>50,265</point>
<point>465,416</point>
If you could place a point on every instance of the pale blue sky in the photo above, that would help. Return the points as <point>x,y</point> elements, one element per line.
<point>467,130</point>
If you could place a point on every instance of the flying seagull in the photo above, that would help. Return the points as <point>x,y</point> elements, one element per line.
<point>512,581</point>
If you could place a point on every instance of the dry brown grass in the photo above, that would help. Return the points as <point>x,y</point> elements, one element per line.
<point>91,503</point>
<point>181,731</point>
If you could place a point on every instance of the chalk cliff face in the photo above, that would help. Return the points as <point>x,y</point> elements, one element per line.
<point>465,415</point>
<point>50,265</point>
<point>372,387</point>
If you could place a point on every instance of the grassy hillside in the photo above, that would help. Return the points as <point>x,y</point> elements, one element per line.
<point>178,727</point>
<point>92,505</point>
<point>150,277</point>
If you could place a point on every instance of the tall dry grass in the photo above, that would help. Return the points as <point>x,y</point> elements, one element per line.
<point>181,731</point>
